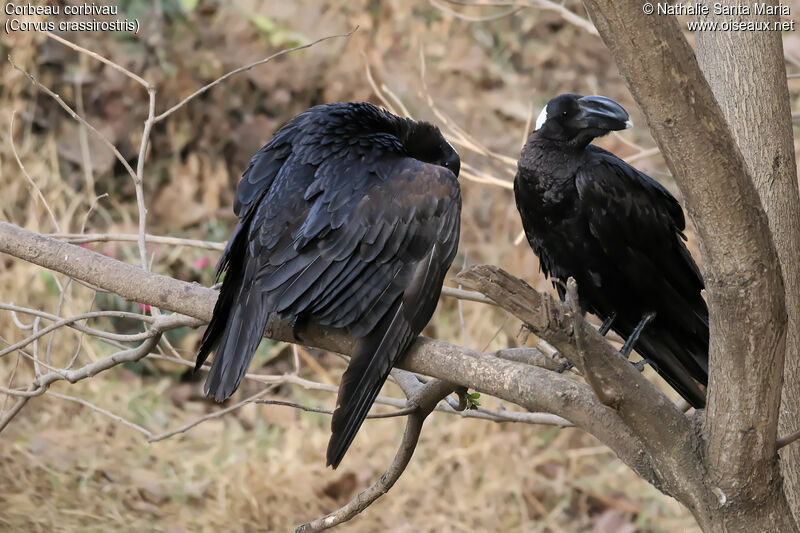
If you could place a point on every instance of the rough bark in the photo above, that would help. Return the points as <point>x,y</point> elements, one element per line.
<point>747,74</point>
<point>744,285</point>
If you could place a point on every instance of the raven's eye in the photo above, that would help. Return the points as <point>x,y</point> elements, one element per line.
<point>564,113</point>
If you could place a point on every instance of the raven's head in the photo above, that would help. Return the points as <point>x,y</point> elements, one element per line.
<point>425,142</point>
<point>577,119</point>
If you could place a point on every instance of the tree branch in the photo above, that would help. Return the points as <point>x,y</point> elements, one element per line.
<point>198,92</point>
<point>534,309</point>
<point>425,399</point>
<point>394,414</point>
<point>533,388</point>
<point>661,426</point>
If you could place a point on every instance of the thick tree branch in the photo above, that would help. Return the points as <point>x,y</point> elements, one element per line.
<point>662,427</point>
<point>533,388</point>
<point>538,310</point>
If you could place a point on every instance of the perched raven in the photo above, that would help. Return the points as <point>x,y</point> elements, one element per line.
<point>589,215</point>
<point>348,218</point>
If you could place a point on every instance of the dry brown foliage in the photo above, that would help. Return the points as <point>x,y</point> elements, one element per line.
<point>260,467</point>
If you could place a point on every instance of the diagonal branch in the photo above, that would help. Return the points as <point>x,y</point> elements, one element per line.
<point>40,384</point>
<point>661,426</point>
<point>537,310</point>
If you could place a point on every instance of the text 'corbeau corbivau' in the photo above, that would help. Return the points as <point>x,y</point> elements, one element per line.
<point>349,218</point>
<point>590,216</point>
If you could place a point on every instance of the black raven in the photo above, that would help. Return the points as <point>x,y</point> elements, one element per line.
<point>348,218</point>
<point>589,215</point>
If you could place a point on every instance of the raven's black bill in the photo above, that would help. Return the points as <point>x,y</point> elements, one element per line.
<point>599,112</point>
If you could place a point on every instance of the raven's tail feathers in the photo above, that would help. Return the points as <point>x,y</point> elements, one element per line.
<point>373,359</point>
<point>677,362</point>
<point>237,346</point>
<point>237,325</point>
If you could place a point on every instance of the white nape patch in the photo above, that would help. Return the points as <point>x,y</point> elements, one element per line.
<point>629,124</point>
<point>542,118</point>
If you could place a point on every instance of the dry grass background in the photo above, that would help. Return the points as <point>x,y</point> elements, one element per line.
<point>67,467</point>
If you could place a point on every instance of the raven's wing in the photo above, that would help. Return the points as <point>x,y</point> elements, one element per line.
<point>639,225</point>
<point>357,238</point>
<point>264,168</point>
<point>411,227</point>
<point>635,218</point>
<point>270,202</point>
<point>377,272</point>
<point>548,267</point>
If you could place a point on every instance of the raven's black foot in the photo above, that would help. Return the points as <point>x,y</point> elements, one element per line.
<point>627,348</point>
<point>563,366</point>
<point>639,365</point>
<point>606,325</point>
<point>297,325</point>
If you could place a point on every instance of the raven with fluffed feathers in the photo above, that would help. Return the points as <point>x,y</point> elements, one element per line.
<point>349,218</point>
<point>589,215</point>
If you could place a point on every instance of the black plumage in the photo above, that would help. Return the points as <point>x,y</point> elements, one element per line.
<point>589,215</point>
<point>348,218</point>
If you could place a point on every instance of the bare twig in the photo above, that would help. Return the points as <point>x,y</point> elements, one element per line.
<point>465,340</point>
<point>139,180</point>
<point>393,414</point>
<point>396,100</point>
<point>219,80</point>
<point>215,414</point>
<point>788,439</point>
<point>85,316</point>
<point>15,409</point>
<point>100,58</point>
<point>470,18</point>
<point>77,117</point>
<point>36,369</point>
<point>643,154</point>
<point>80,238</point>
<point>69,321</point>
<point>548,5</point>
<point>83,138</point>
<point>40,384</point>
<point>10,384</point>
<point>425,401</point>
<point>25,172</point>
<point>368,71</point>
<point>102,411</point>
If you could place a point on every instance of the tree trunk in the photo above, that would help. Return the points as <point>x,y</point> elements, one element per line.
<point>747,74</point>
<point>742,487</point>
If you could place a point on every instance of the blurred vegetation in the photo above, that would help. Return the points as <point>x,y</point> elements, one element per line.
<point>67,467</point>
